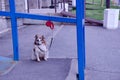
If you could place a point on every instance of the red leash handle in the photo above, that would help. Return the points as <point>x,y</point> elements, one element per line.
<point>50,24</point>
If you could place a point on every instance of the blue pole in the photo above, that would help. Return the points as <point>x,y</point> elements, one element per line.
<point>80,38</point>
<point>14,30</point>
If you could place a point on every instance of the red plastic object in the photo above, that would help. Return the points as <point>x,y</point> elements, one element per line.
<point>50,24</point>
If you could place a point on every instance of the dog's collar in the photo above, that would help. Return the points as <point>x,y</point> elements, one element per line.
<point>37,44</point>
<point>41,49</point>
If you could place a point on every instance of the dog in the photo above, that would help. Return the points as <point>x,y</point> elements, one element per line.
<point>40,49</point>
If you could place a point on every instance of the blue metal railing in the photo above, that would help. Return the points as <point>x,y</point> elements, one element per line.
<point>80,30</point>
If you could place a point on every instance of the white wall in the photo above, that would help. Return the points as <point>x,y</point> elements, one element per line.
<point>74,3</point>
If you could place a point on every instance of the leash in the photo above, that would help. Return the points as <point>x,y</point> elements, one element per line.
<point>51,42</point>
<point>53,35</point>
<point>51,26</point>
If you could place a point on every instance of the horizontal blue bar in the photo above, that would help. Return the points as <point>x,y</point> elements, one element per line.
<point>4,13</point>
<point>44,17</point>
<point>39,17</point>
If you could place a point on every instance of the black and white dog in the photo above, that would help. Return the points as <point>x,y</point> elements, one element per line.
<point>40,48</point>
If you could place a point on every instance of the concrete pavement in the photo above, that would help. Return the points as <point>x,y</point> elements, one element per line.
<point>102,54</point>
<point>6,65</point>
<point>53,69</point>
<point>61,53</point>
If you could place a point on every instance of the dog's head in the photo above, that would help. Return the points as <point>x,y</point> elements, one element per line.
<point>39,39</point>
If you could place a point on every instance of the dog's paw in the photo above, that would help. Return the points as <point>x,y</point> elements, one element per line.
<point>38,60</point>
<point>45,59</point>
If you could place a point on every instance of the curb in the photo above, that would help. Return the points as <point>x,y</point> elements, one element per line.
<point>73,70</point>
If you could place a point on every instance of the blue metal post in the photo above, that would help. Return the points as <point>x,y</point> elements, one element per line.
<point>80,37</point>
<point>14,30</point>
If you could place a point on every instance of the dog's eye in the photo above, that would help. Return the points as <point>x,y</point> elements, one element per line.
<point>40,38</point>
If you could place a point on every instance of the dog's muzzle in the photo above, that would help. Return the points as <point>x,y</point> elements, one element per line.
<point>38,42</point>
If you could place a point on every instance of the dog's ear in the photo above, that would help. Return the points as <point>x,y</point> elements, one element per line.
<point>43,37</point>
<point>36,36</point>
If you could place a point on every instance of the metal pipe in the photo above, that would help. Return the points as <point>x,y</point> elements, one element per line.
<point>26,6</point>
<point>55,6</point>
<point>107,3</point>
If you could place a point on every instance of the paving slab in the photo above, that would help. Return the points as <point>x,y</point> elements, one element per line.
<point>65,43</point>
<point>102,49</point>
<point>6,65</point>
<point>56,68</point>
<point>102,53</point>
<point>53,69</point>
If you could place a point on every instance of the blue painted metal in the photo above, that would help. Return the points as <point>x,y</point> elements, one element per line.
<point>80,30</point>
<point>14,30</point>
<point>43,17</point>
<point>3,13</point>
<point>80,38</point>
<point>39,17</point>
<point>14,17</point>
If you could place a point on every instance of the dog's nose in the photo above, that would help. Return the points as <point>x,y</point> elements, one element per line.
<point>37,40</point>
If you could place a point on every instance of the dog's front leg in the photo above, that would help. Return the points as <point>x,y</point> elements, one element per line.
<point>46,55</point>
<point>37,56</point>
